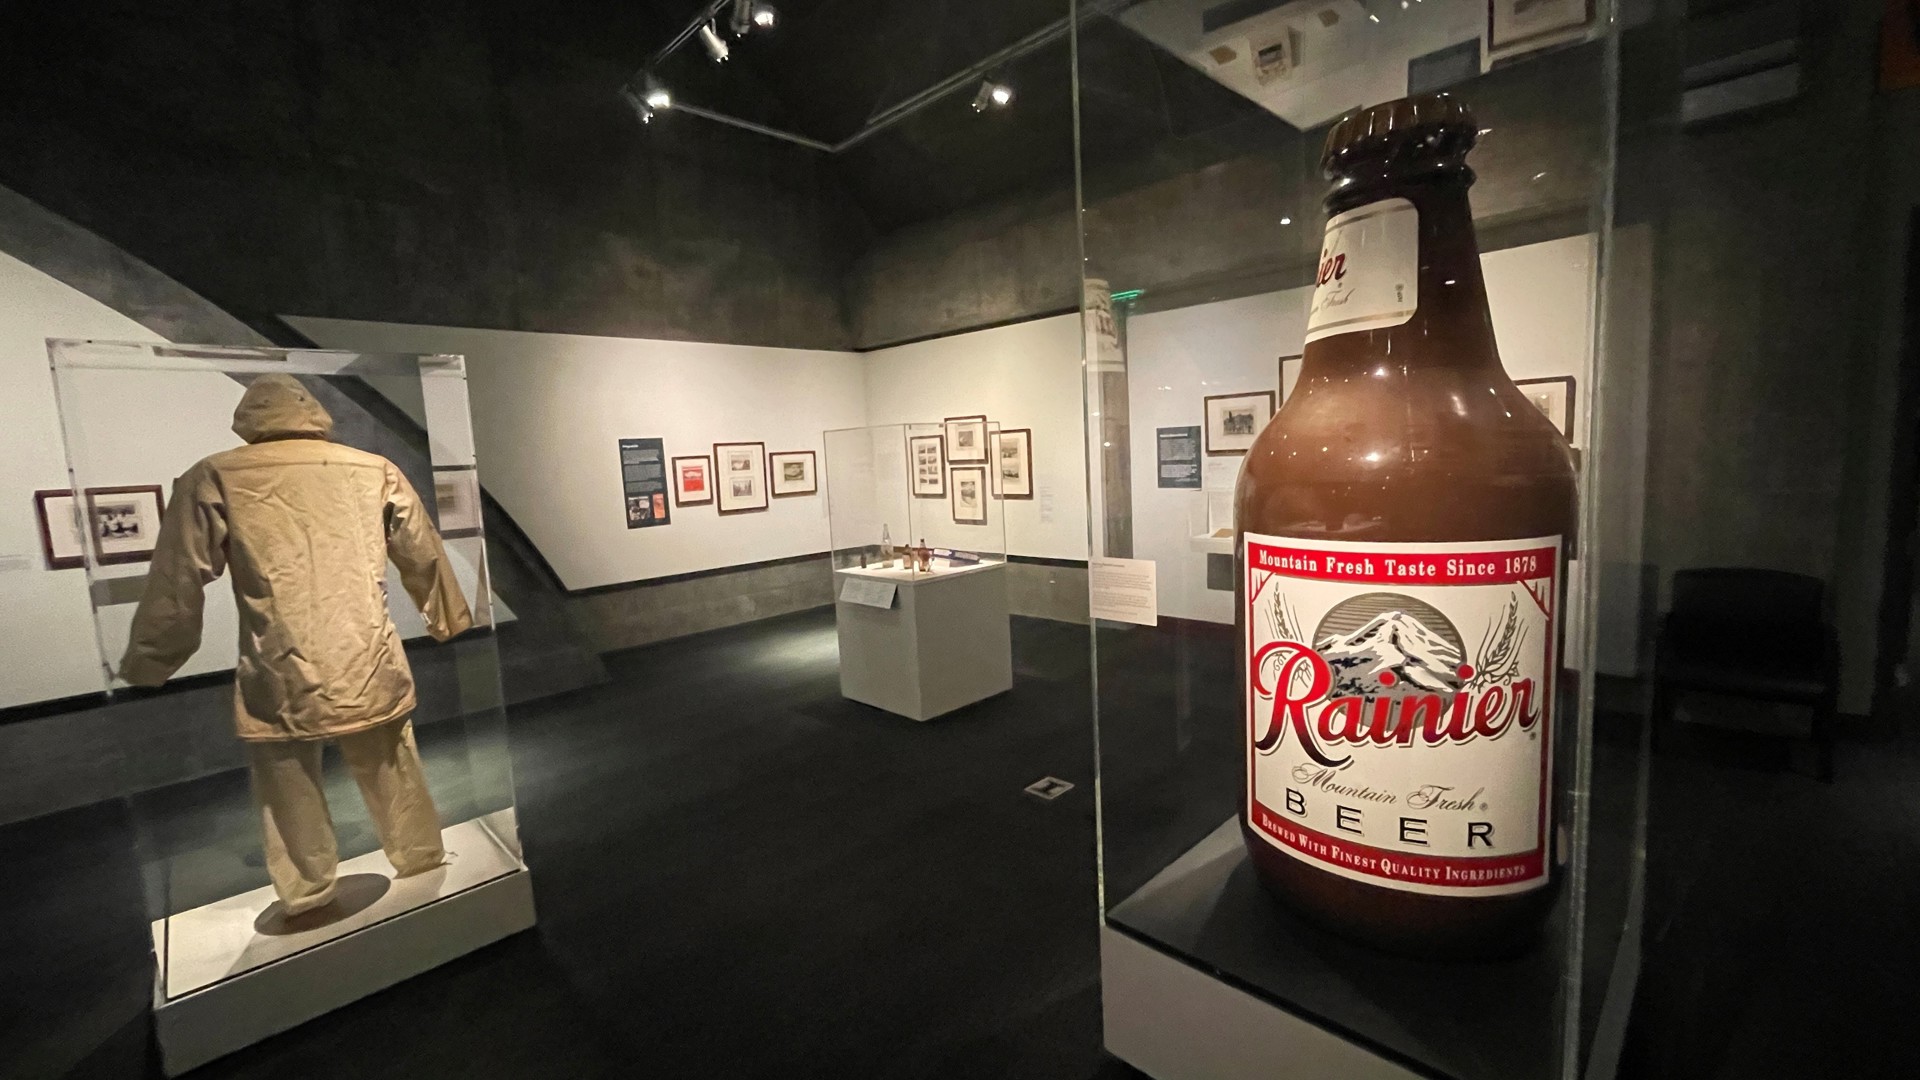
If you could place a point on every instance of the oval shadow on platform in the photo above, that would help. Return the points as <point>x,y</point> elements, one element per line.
<point>352,894</point>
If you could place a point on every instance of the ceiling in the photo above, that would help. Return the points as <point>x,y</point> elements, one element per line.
<point>830,65</point>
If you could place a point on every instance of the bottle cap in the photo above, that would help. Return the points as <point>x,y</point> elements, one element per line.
<point>1413,134</point>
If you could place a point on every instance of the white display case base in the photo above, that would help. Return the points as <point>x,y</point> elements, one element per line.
<point>1175,1021</point>
<point>944,642</point>
<point>230,974</point>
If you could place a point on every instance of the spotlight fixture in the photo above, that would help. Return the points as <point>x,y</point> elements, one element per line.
<point>716,47</point>
<point>748,14</point>
<point>647,96</point>
<point>997,95</point>
<point>657,94</point>
<point>638,103</point>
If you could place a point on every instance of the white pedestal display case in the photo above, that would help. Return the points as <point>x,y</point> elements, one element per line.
<point>1196,319</point>
<point>232,966</point>
<point>919,557</point>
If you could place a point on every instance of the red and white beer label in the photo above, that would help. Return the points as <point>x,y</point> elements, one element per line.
<point>1369,274</point>
<point>1399,702</point>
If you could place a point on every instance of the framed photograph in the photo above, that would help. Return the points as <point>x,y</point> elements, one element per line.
<point>124,522</point>
<point>1553,396</point>
<point>692,480</point>
<point>740,477</point>
<point>970,495</point>
<point>928,457</point>
<point>456,500</point>
<point>966,439</point>
<point>794,473</point>
<point>1282,384</point>
<point>1234,419</point>
<point>1013,463</point>
<point>60,539</point>
<point>1518,25</point>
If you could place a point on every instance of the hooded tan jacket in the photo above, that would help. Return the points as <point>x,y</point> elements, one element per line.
<point>306,527</point>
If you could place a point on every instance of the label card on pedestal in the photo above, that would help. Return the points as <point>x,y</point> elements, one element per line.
<point>867,592</point>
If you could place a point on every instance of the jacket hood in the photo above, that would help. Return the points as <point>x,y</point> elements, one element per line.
<point>278,407</point>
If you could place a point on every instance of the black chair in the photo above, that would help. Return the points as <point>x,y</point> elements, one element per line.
<point>1759,634</point>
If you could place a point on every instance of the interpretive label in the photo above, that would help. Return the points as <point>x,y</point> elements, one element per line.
<point>643,478</point>
<point>867,592</point>
<point>1398,706</point>
<point>1179,457</point>
<point>1124,590</point>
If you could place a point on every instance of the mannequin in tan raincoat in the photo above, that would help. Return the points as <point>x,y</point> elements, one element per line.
<point>305,527</point>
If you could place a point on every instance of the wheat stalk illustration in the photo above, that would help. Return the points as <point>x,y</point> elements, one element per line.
<point>1499,659</point>
<point>1286,625</point>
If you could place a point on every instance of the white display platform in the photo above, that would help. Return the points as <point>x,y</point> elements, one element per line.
<point>227,977</point>
<point>944,643</point>
<point>897,573</point>
<point>1210,544</point>
<point>1174,1021</point>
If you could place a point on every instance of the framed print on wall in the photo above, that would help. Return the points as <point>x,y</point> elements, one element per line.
<point>1282,384</point>
<point>1553,396</point>
<point>1013,463</point>
<point>928,454</point>
<point>456,500</point>
<point>794,473</point>
<point>60,538</point>
<point>966,439</point>
<point>740,477</point>
<point>692,480</point>
<point>970,495</point>
<point>125,522</point>
<point>1234,419</point>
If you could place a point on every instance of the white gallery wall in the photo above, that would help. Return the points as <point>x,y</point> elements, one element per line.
<point>138,430</point>
<point>1175,359</point>
<point>1026,375</point>
<point>549,411</point>
<point>129,429</point>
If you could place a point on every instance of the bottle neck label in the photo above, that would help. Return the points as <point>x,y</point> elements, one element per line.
<point>1399,702</point>
<point>1369,274</point>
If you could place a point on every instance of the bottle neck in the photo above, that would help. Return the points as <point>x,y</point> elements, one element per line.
<point>1451,326</point>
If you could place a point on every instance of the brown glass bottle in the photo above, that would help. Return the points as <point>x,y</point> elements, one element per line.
<point>1401,432</point>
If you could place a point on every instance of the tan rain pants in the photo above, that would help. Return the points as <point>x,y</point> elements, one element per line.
<point>288,789</point>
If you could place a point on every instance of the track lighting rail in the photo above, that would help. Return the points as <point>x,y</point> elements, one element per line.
<point>886,117</point>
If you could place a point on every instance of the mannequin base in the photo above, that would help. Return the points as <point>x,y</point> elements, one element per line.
<point>234,972</point>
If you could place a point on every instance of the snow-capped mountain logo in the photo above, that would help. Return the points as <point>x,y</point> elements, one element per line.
<point>1387,644</point>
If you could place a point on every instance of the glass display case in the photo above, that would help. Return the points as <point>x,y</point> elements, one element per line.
<point>275,890</point>
<point>918,533</point>
<point>1208,269</point>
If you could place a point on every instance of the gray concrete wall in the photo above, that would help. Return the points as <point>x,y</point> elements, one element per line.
<point>1770,262</point>
<point>1206,210</point>
<point>1047,591</point>
<point>426,163</point>
<point>626,616</point>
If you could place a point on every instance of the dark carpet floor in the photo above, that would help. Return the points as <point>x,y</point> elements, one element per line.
<point>1783,915</point>
<point>741,874</point>
<point>738,874</point>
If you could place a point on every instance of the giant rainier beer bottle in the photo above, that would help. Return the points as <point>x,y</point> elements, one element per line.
<point>1404,525</point>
